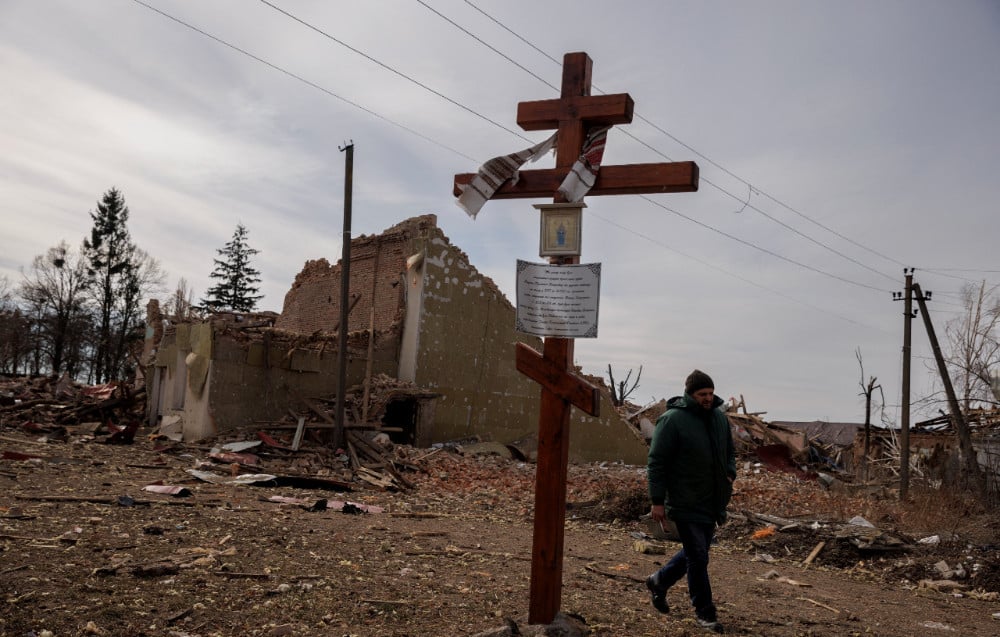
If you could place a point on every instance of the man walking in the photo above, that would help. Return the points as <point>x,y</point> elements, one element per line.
<point>690,470</point>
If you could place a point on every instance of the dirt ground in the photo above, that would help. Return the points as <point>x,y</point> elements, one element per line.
<point>86,550</point>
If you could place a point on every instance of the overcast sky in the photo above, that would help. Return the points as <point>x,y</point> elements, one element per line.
<point>838,142</point>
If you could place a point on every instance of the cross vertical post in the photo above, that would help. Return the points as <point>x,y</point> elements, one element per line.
<point>554,411</point>
<point>573,114</point>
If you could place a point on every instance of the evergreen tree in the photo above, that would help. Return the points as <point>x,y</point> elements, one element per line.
<point>108,250</point>
<point>120,275</point>
<point>236,290</point>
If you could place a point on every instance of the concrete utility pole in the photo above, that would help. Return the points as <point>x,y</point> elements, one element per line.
<point>964,435</point>
<point>345,281</point>
<point>904,419</point>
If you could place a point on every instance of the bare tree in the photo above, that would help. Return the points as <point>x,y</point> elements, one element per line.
<point>142,279</point>
<point>622,390</point>
<point>867,390</point>
<point>973,341</point>
<point>15,347</point>
<point>55,289</point>
<point>180,306</point>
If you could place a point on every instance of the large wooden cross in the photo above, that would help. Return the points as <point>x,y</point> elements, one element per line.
<point>573,114</point>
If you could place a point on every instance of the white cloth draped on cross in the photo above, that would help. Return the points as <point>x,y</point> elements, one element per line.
<point>582,176</point>
<point>497,171</point>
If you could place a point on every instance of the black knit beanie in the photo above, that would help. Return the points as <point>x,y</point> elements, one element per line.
<point>697,380</point>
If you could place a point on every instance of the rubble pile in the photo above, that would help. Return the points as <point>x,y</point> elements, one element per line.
<point>783,508</point>
<point>57,408</point>
<point>248,518</point>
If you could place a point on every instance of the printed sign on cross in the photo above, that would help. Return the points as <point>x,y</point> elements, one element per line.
<point>575,115</point>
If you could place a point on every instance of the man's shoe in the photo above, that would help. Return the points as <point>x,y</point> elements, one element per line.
<point>657,595</point>
<point>711,625</point>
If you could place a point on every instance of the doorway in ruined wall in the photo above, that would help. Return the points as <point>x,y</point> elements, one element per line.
<point>400,420</point>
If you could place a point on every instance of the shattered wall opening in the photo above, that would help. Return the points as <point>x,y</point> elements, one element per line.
<point>402,414</point>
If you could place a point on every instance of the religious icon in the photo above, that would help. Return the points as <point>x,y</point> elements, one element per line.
<point>560,229</point>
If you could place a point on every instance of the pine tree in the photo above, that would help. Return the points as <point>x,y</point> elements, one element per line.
<point>235,291</point>
<point>108,251</point>
<point>120,275</point>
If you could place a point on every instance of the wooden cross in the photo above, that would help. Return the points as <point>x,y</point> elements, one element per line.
<point>573,114</point>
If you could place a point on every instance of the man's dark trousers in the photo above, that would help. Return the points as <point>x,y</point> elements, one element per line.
<point>692,560</point>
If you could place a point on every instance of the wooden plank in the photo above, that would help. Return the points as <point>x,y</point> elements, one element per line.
<point>312,424</point>
<point>624,179</point>
<point>319,412</point>
<point>353,455</point>
<point>814,553</point>
<point>369,450</point>
<point>297,440</point>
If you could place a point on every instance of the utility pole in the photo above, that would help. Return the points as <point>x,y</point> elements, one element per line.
<point>345,281</point>
<point>964,436</point>
<point>904,419</point>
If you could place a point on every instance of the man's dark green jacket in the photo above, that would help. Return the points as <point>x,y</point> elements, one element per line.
<point>692,461</point>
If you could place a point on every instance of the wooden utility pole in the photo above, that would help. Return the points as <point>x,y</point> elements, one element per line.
<point>904,418</point>
<point>961,427</point>
<point>573,115</point>
<point>345,283</point>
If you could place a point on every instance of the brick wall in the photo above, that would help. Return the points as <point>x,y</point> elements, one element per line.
<point>465,347</point>
<point>378,265</point>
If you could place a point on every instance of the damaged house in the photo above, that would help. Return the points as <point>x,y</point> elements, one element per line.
<point>430,347</point>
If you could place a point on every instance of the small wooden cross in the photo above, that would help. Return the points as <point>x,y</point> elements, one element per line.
<point>572,114</point>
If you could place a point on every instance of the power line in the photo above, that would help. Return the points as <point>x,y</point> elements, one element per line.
<point>764,250</point>
<point>712,162</point>
<point>393,70</point>
<point>303,80</point>
<point>427,138</point>
<point>464,107</point>
<point>747,204</point>
<point>772,198</point>
<point>726,272</point>
<point>961,270</point>
<point>489,46</point>
<point>511,31</point>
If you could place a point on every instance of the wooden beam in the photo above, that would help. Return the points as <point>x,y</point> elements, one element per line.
<point>600,110</point>
<point>624,179</point>
<point>550,492</point>
<point>552,377</point>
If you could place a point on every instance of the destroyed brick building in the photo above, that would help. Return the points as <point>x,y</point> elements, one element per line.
<point>420,314</point>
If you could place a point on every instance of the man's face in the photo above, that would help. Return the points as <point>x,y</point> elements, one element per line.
<point>704,397</point>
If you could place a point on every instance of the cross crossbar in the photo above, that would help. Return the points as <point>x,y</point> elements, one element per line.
<point>551,376</point>
<point>625,179</point>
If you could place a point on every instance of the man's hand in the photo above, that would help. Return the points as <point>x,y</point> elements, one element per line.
<point>658,513</point>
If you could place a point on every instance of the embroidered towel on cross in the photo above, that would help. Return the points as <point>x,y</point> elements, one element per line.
<point>582,176</point>
<point>495,173</point>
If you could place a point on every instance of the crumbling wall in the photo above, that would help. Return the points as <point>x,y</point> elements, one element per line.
<point>457,339</point>
<point>378,264</point>
<point>183,371</point>
<point>466,353</point>
<point>216,378</point>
